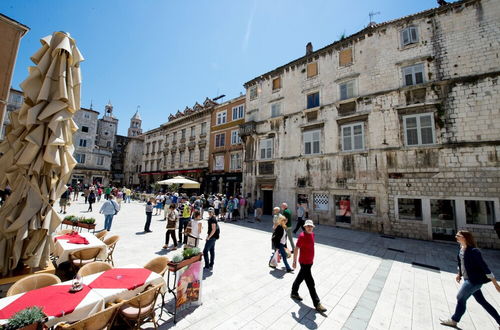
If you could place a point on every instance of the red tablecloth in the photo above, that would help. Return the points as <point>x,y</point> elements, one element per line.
<point>121,278</point>
<point>73,238</point>
<point>67,236</point>
<point>55,300</point>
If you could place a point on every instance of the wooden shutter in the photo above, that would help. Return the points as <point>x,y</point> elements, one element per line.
<point>312,69</point>
<point>345,57</point>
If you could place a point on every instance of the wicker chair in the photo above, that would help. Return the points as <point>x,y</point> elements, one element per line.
<point>83,257</point>
<point>100,235</point>
<point>64,231</point>
<point>111,243</point>
<point>141,308</point>
<point>158,265</point>
<point>32,282</point>
<point>102,320</point>
<point>94,267</point>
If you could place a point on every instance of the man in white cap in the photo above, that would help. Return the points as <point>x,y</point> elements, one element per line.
<point>305,247</point>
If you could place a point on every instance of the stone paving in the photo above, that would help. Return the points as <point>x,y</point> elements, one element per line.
<point>364,280</point>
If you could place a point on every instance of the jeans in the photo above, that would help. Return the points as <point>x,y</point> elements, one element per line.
<point>90,207</point>
<point>149,215</point>
<point>305,274</point>
<point>183,223</point>
<point>290,237</point>
<point>468,289</point>
<point>209,247</point>
<point>108,219</point>
<point>300,224</point>
<point>281,249</point>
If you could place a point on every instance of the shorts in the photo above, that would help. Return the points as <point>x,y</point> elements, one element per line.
<point>159,206</point>
<point>63,202</point>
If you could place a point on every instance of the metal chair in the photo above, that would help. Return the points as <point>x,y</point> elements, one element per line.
<point>141,308</point>
<point>32,282</point>
<point>111,243</point>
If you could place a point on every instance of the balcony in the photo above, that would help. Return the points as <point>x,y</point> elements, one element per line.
<point>202,143</point>
<point>248,128</point>
<point>192,138</point>
<point>191,145</point>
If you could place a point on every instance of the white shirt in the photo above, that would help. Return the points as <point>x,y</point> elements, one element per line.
<point>216,204</point>
<point>194,228</point>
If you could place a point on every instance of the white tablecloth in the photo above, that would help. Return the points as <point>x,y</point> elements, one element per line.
<point>62,248</point>
<point>91,304</point>
<point>110,295</point>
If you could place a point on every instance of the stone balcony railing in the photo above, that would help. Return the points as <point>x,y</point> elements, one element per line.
<point>247,128</point>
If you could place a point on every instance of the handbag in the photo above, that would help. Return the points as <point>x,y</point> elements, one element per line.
<point>274,259</point>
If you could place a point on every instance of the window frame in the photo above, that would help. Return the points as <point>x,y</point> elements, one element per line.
<point>313,105</point>
<point>220,140</point>
<point>236,155</point>
<point>203,128</point>
<point>85,129</point>
<point>221,117</point>
<point>193,131</point>
<point>308,65</point>
<point>309,135</point>
<point>352,125</point>
<point>273,106</point>
<point>270,147</point>
<point>100,160</point>
<point>410,38</point>
<point>253,92</point>
<point>419,129</point>
<point>84,144</point>
<point>413,74</point>
<point>191,156</point>
<point>202,154</point>
<point>238,138</point>
<point>278,79</point>
<point>353,89</point>
<point>239,111</point>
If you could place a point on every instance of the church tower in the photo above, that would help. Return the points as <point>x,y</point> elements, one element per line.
<point>135,125</point>
<point>107,128</point>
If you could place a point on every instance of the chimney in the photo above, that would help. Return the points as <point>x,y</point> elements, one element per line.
<point>309,48</point>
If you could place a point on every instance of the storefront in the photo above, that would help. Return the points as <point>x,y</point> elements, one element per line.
<point>225,183</point>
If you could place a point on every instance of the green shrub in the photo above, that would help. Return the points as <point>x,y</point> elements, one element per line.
<point>177,258</point>
<point>72,218</point>
<point>25,317</point>
<point>89,221</point>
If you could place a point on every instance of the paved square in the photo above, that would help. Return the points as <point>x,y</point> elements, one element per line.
<point>364,280</point>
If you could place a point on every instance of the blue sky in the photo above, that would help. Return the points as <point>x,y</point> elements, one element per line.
<point>165,55</point>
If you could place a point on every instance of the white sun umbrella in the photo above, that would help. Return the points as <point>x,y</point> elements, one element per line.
<point>37,153</point>
<point>186,183</point>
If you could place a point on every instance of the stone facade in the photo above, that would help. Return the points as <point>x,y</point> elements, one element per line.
<point>394,129</point>
<point>226,147</point>
<point>152,156</point>
<point>132,163</point>
<point>94,162</point>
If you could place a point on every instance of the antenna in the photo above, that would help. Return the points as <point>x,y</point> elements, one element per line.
<point>371,14</point>
<point>91,105</point>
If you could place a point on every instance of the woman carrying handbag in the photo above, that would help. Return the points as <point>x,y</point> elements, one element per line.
<point>279,243</point>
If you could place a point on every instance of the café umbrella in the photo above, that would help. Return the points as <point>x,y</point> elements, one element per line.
<point>37,153</point>
<point>186,183</point>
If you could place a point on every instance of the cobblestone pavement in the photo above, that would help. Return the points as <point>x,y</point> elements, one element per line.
<point>364,280</point>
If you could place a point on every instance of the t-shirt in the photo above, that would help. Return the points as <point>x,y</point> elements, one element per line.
<point>194,227</point>
<point>306,244</point>
<point>242,202</point>
<point>300,212</point>
<point>259,203</point>
<point>217,204</point>
<point>212,220</point>
<point>149,207</point>
<point>288,216</point>
<point>172,219</point>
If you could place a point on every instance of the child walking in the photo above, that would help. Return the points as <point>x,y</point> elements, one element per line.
<point>305,250</point>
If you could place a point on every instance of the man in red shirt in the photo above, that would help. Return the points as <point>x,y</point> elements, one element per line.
<point>305,246</point>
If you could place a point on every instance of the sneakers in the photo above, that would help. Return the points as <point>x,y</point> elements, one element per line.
<point>165,246</point>
<point>320,308</point>
<point>296,297</point>
<point>448,322</point>
<point>290,271</point>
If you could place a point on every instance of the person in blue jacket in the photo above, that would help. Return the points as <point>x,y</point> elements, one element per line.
<point>475,273</point>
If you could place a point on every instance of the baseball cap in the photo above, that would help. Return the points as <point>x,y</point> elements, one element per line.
<point>211,209</point>
<point>309,223</point>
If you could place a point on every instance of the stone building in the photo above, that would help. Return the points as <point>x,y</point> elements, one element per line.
<point>107,128</point>
<point>152,156</point>
<point>11,33</point>
<point>15,101</point>
<point>132,163</point>
<point>394,129</point>
<point>94,161</point>
<point>186,148</point>
<point>226,147</point>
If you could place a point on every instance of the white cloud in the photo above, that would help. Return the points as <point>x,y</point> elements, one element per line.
<point>248,31</point>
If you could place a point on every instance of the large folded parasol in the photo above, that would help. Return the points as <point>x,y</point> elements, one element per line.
<point>186,183</point>
<point>37,157</point>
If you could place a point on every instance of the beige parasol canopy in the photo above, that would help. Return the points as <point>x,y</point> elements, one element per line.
<point>37,157</point>
<point>186,183</point>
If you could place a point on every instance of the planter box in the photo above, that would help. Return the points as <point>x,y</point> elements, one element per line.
<point>70,223</point>
<point>86,225</point>
<point>173,267</point>
<point>35,326</point>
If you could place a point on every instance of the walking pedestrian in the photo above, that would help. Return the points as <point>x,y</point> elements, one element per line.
<point>159,203</point>
<point>305,251</point>
<point>288,215</point>
<point>185,210</point>
<point>172,219</point>
<point>109,209</point>
<point>149,214</point>
<point>475,273</point>
<point>276,217</point>
<point>258,208</point>
<point>107,193</point>
<point>217,203</point>
<point>300,218</point>
<point>213,234</point>
<point>194,235</point>
<point>119,197</point>
<point>243,208</point>
<point>99,193</point>
<point>279,243</point>
<point>230,209</point>
<point>86,193</point>
<point>63,202</point>
<point>91,200</point>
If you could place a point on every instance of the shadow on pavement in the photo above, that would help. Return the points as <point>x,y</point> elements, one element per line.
<point>424,253</point>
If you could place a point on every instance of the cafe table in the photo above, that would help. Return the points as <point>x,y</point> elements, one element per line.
<point>123,283</point>
<point>62,247</point>
<point>56,301</point>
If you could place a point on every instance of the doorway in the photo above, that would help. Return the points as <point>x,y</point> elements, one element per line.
<point>443,218</point>
<point>267,198</point>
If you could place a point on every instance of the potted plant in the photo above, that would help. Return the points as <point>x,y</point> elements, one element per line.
<point>189,256</point>
<point>70,220</point>
<point>30,318</point>
<point>88,223</point>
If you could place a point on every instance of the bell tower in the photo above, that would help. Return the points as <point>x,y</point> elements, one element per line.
<point>135,125</point>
